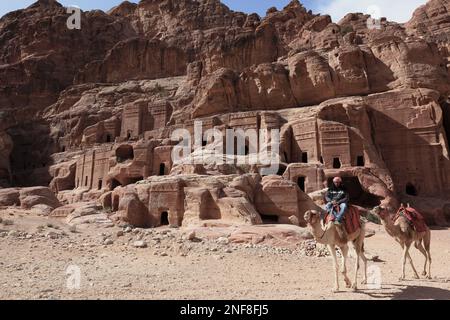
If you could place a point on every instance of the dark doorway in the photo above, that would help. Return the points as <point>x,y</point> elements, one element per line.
<point>108,138</point>
<point>281,169</point>
<point>321,160</point>
<point>360,161</point>
<point>134,180</point>
<point>115,203</point>
<point>305,157</point>
<point>128,136</point>
<point>336,163</point>
<point>446,116</point>
<point>115,184</point>
<point>162,169</point>
<point>269,219</point>
<point>86,182</point>
<point>301,183</point>
<point>63,149</point>
<point>164,218</point>
<point>100,184</point>
<point>124,153</point>
<point>411,190</point>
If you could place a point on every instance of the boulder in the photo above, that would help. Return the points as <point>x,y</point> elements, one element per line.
<point>9,197</point>
<point>29,197</point>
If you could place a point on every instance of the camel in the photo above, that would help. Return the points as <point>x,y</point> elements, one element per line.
<point>331,236</point>
<point>405,235</point>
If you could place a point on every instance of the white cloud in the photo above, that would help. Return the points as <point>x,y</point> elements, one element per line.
<point>394,10</point>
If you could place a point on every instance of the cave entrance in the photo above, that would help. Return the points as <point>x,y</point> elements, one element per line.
<point>304,157</point>
<point>411,190</point>
<point>281,169</point>
<point>164,218</point>
<point>269,219</point>
<point>115,203</point>
<point>108,138</point>
<point>162,169</point>
<point>301,182</point>
<point>360,161</point>
<point>124,153</point>
<point>100,184</point>
<point>115,184</point>
<point>446,116</point>
<point>357,194</point>
<point>337,163</point>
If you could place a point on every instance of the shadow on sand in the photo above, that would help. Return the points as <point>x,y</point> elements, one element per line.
<point>409,292</point>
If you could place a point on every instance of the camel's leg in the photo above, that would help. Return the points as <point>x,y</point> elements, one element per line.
<point>358,255</point>
<point>344,250</point>
<point>420,247</point>
<point>364,259</point>
<point>416,275</point>
<point>405,253</point>
<point>427,244</point>
<point>332,250</point>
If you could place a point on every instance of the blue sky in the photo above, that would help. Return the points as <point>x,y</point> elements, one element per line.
<point>399,11</point>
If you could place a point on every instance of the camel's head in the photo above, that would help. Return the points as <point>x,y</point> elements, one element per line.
<point>312,216</point>
<point>381,212</point>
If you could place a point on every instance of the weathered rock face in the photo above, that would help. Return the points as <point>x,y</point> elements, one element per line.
<point>210,32</point>
<point>95,111</point>
<point>309,78</point>
<point>41,198</point>
<point>282,198</point>
<point>6,146</point>
<point>193,199</point>
<point>431,21</point>
<point>40,56</point>
<point>136,59</point>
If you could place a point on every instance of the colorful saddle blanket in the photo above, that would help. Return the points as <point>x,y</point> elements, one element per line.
<point>351,219</point>
<point>414,218</point>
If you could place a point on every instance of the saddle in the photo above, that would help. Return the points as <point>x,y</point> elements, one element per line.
<point>414,218</point>
<point>351,220</point>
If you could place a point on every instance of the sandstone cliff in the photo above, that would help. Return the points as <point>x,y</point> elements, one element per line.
<point>94,109</point>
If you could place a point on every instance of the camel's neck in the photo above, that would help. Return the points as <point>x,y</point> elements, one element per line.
<point>318,232</point>
<point>391,229</point>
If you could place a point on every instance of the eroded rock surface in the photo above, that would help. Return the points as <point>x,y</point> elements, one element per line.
<point>92,114</point>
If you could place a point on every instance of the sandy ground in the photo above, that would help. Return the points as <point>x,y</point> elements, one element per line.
<point>41,259</point>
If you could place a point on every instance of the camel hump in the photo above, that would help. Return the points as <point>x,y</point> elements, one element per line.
<point>351,221</point>
<point>410,216</point>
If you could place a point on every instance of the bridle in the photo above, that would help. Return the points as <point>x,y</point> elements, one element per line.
<point>310,222</point>
<point>383,212</point>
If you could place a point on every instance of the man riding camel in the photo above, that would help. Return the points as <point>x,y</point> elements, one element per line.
<point>337,196</point>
